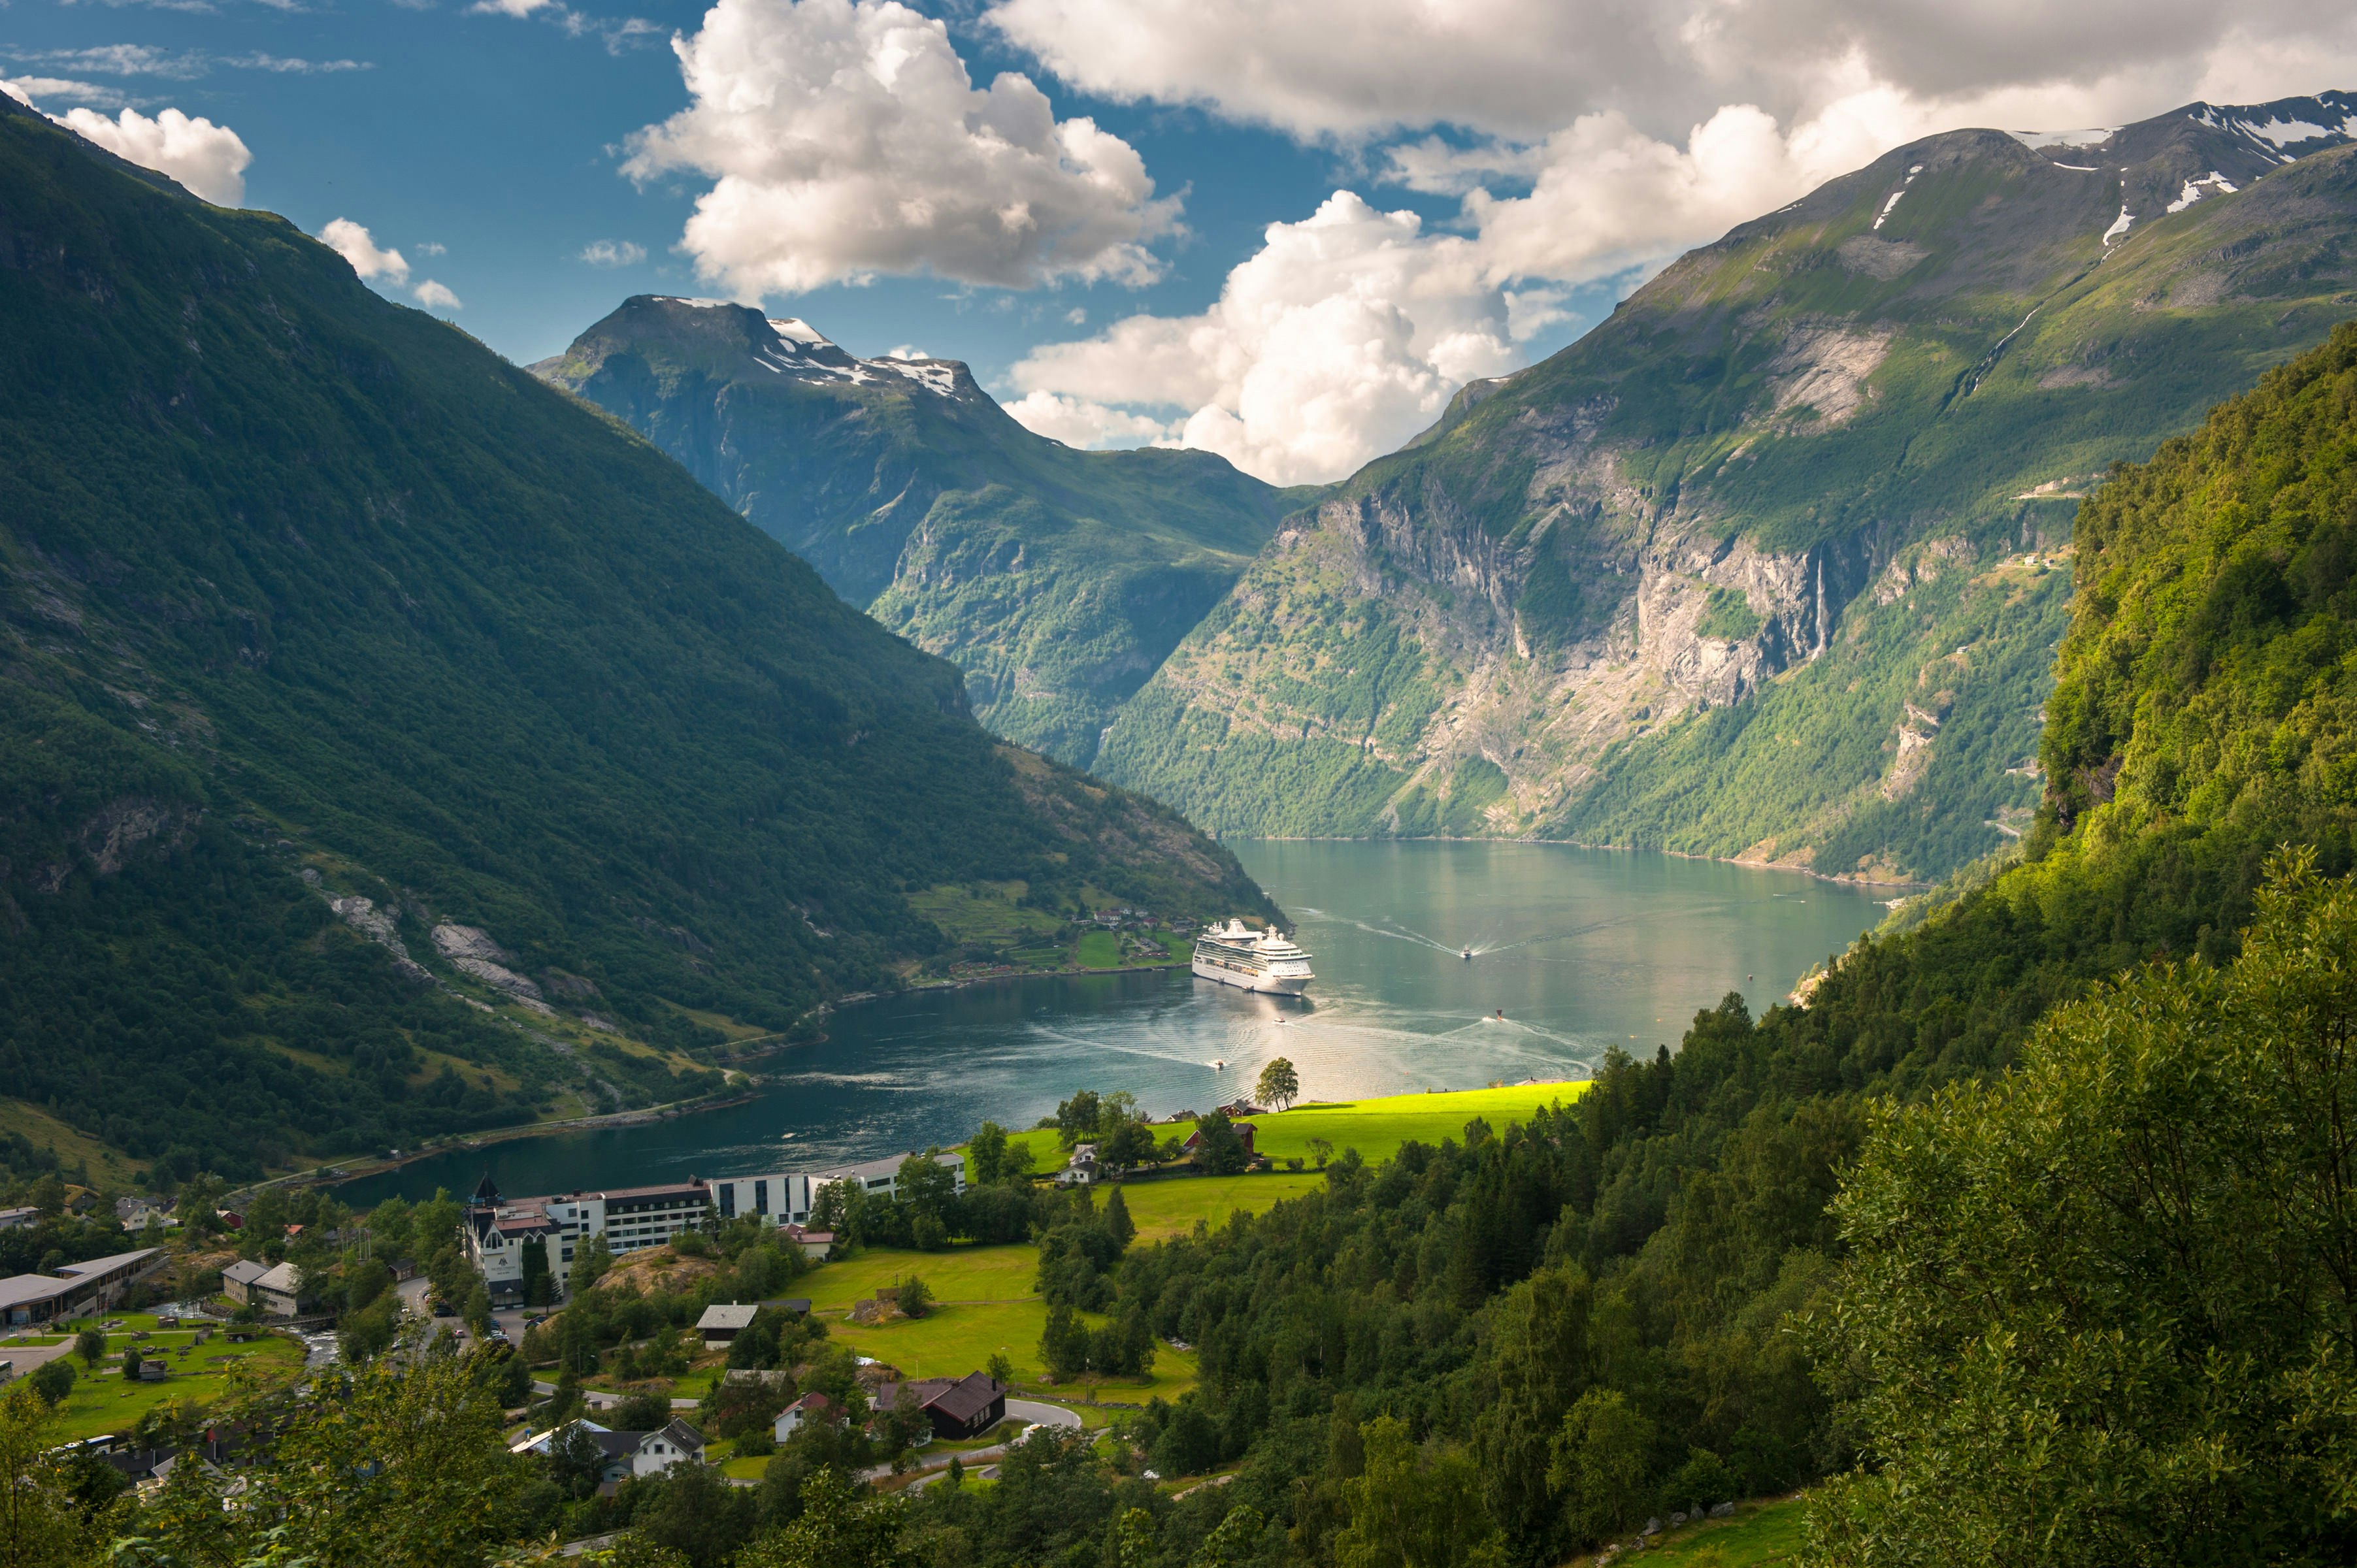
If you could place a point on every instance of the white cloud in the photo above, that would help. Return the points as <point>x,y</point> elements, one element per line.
<point>26,88</point>
<point>613,253</point>
<point>1514,67</point>
<point>509,7</point>
<point>1342,338</point>
<point>846,139</point>
<point>432,248</point>
<point>357,246</point>
<point>433,296</point>
<point>120,59</point>
<point>209,160</point>
<point>1077,422</point>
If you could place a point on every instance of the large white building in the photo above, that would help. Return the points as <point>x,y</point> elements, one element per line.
<point>498,1228</point>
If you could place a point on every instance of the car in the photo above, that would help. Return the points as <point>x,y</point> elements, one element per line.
<point>443,1309</point>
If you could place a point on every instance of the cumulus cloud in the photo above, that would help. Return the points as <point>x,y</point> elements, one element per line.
<point>845,139</point>
<point>26,88</point>
<point>1587,145</point>
<point>1342,337</point>
<point>209,160</point>
<point>1511,68</point>
<point>357,246</point>
<point>433,296</point>
<point>613,253</point>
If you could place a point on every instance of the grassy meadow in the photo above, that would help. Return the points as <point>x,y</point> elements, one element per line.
<point>102,1402</point>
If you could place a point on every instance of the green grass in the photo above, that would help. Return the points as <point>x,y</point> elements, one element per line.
<point>104,1404</point>
<point>960,1274</point>
<point>1161,1209</point>
<point>954,1339</point>
<point>1376,1128</point>
<point>1758,1535</point>
<point>1100,950</point>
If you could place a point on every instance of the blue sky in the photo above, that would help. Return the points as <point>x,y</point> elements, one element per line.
<point>1514,164</point>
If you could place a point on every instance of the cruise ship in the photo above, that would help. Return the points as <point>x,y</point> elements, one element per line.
<point>1235,954</point>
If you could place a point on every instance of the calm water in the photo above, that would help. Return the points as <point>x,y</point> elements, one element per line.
<point>1580,949</point>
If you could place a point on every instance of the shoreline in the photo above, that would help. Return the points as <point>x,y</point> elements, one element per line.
<point>359,1169</point>
<point>1839,880</point>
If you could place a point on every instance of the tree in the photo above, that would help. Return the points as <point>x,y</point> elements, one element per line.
<point>91,1346</point>
<point>1279,1085</point>
<point>841,1525</point>
<point>690,1509</point>
<point>2152,1361</point>
<point>1117,1221</point>
<point>1077,1117</point>
<point>642,1413</point>
<point>1218,1149</point>
<point>1413,1509</point>
<point>1000,1368</point>
<point>1321,1150</point>
<point>591,1263</point>
<point>1064,1343</point>
<point>40,1527</point>
<point>539,1285</point>
<point>53,1381</point>
<point>477,1313</point>
<point>913,1296</point>
<point>1126,1143</point>
<point>1232,1541</point>
<point>986,1153</point>
<point>1598,1464</point>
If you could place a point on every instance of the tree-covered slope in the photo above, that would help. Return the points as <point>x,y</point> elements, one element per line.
<point>349,676</point>
<point>1057,579</point>
<point>1766,565</point>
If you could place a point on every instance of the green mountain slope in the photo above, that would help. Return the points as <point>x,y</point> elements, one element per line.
<point>1772,564</point>
<point>1058,580</point>
<point>390,745</point>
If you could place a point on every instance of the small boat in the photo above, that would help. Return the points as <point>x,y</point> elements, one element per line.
<point>1219,1067</point>
<point>1466,955</point>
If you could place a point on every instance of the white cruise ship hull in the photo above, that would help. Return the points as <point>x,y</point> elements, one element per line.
<point>1250,979</point>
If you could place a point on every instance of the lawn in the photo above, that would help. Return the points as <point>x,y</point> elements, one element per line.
<point>1169,1207</point>
<point>104,1404</point>
<point>952,1340</point>
<point>1758,1536</point>
<point>1376,1128</point>
<point>963,1273</point>
<point>1099,950</point>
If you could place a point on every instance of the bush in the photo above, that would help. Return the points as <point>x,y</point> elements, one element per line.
<point>915,1297</point>
<point>642,1413</point>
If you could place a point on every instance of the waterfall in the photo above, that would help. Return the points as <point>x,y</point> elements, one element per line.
<point>1821,607</point>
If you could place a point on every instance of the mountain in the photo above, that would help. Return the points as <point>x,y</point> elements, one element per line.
<point>390,745</point>
<point>1058,580</point>
<point>1772,564</point>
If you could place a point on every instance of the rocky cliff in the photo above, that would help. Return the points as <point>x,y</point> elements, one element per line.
<point>1765,565</point>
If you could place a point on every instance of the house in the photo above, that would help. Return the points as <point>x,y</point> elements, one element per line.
<point>957,1407</point>
<point>810,1407</point>
<point>496,1230</point>
<point>626,1454</point>
<point>10,1218</point>
<point>96,1285</point>
<point>1235,1108</point>
<point>1081,1169</point>
<point>815,1244</point>
<point>1243,1131</point>
<point>721,1325</point>
<point>271,1291</point>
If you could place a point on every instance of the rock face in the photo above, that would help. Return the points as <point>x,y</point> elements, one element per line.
<point>1766,564</point>
<point>1056,580</point>
<point>471,951</point>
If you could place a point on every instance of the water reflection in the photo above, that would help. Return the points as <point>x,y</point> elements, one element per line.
<point>1575,952</point>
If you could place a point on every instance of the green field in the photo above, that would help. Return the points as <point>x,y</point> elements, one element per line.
<point>1161,1209</point>
<point>952,1340</point>
<point>1376,1128</point>
<point>961,1274</point>
<point>1759,1535</point>
<point>104,1404</point>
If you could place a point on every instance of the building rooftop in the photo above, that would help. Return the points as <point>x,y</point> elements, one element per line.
<point>24,1290</point>
<point>108,1264</point>
<point>868,1170</point>
<point>244,1271</point>
<point>668,1190</point>
<point>732,1316</point>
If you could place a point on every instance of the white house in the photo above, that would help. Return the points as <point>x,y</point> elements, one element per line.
<point>1081,1168</point>
<point>810,1407</point>
<point>273,1291</point>
<point>626,1454</point>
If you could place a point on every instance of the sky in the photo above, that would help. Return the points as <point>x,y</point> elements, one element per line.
<point>1285,231</point>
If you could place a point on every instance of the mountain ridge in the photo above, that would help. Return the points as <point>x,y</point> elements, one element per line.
<point>395,746</point>
<point>1767,566</point>
<point>1058,579</point>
